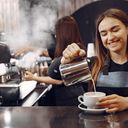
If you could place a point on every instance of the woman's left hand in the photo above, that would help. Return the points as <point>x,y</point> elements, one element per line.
<point>114,103</point>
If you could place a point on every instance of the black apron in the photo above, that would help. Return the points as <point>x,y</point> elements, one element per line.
<point>67,95</point>
<point>113,83</point>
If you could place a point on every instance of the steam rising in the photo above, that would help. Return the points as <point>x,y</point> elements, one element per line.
<point>36,23</point>
<point>35,27</point>
<point>44,19</point>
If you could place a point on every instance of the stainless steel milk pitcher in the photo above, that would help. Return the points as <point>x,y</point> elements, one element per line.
<point>75,72</point>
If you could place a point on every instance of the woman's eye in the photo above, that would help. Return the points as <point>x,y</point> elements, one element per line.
<point>103,33</point>
<point>115,29</point>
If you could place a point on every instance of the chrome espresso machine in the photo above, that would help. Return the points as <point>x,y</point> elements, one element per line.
<point>13,87</point>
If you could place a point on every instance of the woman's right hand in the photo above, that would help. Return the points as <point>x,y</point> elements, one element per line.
<point>28,75</point>
<point>114,103</point>
<point>72,52</point>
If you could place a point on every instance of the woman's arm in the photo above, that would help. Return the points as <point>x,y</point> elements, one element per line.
<point>43,79</point>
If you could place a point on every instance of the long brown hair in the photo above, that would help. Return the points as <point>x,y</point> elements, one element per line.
<point>67,32</point>
<point>101,52</point>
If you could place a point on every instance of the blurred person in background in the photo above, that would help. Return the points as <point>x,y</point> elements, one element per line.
<point>67,31</point>
<point>48,52</point>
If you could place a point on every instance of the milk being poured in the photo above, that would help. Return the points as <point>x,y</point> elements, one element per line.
<point>94,85</point>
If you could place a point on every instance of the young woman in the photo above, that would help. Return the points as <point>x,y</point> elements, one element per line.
<point>110,68</point>
<point>67,31</point>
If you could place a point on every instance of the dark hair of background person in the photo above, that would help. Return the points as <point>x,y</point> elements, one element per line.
<point>51,51</point>
<point>67,32</point>
<point>101,51</point>
<point>5,54</point>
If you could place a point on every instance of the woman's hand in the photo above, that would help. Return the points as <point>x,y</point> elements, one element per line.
<point>72,52</point>
<point>22,51</point>
<point>28,76</point>
<point>114,103</point>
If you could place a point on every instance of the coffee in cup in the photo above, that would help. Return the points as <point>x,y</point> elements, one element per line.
<point>90,99</point>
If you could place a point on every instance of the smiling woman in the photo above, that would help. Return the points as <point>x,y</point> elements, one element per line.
<point>110,68</point>
<point>111,38</point>
<point>114,37</point>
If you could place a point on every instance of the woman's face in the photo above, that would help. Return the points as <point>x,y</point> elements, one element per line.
<point>113,35</point>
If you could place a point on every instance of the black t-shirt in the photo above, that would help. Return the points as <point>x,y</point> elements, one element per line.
<point>53,70</point>
<point>117,67</point>
<point>64,95</point>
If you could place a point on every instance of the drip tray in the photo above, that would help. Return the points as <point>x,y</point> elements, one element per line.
<point>24,87</point>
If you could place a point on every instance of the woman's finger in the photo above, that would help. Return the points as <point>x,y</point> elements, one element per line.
<point>109,97</point>
<point>110,110</point>
<point>107,102</point>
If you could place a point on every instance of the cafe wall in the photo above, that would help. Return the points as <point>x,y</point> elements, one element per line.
<point>9,14</point>
<point>69,6</point>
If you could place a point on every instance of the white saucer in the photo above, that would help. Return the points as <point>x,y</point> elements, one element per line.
<point>92,111</point>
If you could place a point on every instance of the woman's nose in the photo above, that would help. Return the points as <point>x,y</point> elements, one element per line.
<point>111,36</point>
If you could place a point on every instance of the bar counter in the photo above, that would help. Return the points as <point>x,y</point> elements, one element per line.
<point>59,117</point>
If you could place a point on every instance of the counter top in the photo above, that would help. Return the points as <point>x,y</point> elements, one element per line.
<point>58,117</point>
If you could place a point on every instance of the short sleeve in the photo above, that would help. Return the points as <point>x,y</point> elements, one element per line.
<point>51,51</point>
<point>53,70</point>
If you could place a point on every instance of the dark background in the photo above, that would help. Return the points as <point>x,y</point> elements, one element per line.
<point>86,16</point>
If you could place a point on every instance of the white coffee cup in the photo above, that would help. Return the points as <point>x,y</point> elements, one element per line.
<point>90,99</point>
